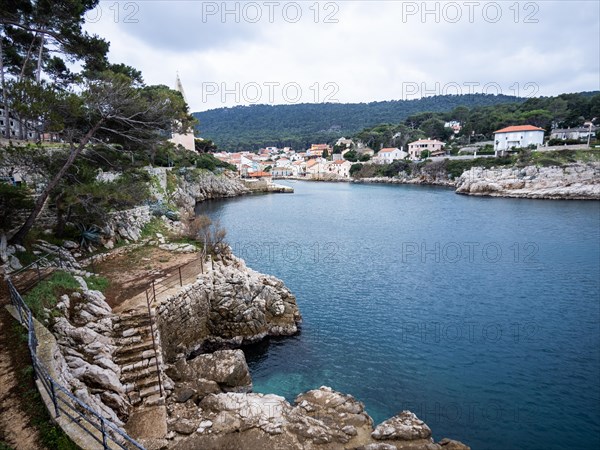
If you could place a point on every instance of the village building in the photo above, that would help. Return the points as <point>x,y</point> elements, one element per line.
<point>577,133</point>
<point>186,139</point>
<point>340,167</point>
<point>433,147</point>
<point>388,155</point>
<point>519,136</point>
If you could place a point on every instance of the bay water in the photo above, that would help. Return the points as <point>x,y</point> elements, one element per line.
<point>480,315</point>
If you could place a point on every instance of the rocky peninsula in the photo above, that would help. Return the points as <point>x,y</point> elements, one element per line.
<point>574,181</point>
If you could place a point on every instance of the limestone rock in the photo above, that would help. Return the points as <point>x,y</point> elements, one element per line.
<point>572,181</point>
<point>226,307</point>
<point>227,368</point>
<point>406,426</point>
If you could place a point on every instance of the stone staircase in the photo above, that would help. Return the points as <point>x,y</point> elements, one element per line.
<point>135,355</point>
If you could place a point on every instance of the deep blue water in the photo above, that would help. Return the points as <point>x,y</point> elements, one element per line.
<point>481,315</point>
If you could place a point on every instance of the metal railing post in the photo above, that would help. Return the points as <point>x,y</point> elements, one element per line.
<point>180,279</point>
<point>54,399</point>
<point>54,389</point>
<point>103,430</point>
<point>153,291</point>
<point>160,387</point>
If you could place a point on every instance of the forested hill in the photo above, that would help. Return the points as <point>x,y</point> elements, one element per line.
<point>297,126</point>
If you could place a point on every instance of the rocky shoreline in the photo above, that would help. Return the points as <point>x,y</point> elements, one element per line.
<point>576,181</point>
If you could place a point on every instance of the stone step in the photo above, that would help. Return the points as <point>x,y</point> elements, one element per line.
<point>134,398</point>
<point>135,357</point>
<point>154,400</point>
<point>142,364</point>
<point>124,342</point>
<point>150,390</point>
<point>133,376</point>
<point>141,383</point>
<point>137,347</point>
<point>141,321</point>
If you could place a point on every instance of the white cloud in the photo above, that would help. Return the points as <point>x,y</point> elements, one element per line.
<point>371,53</point>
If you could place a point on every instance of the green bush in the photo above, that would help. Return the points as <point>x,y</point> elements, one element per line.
<point>46,293</point>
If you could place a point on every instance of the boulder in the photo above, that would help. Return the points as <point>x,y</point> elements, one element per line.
<point>406,426</point>
<point>227,368</point>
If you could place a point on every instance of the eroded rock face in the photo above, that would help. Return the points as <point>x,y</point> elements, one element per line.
<point>86,352</point>
<point>319,419</point>
<point>221,371</point>
<point>574,181</point>
<point>227,306</point>
<point>205,186</point>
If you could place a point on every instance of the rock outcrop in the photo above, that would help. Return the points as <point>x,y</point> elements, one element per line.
<point>84,332</point>
<point>205,186</point>
<point>229,305</point>
<point>319,419</point>
<point>125,225</point>
<point>576,181</point>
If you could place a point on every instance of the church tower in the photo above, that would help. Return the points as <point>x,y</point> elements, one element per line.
<point>187,139</point>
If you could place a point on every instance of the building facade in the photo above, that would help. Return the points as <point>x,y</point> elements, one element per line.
<point>519,136</point>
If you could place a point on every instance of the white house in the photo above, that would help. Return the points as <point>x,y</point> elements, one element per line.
<point>298,168</point>
<point>340,167</point>
<point>315,167</point>
<point>433,146</point>
<point>387,155</point>
<point>518,136</point>
<point>281,171</point>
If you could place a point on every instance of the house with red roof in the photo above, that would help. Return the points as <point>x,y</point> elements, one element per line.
<point>519,136</point>
<point>388,155</point>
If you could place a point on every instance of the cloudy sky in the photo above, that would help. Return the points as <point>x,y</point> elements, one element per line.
<point>239,53</point>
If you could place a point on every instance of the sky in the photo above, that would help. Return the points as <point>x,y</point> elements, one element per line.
<point>280,52</point>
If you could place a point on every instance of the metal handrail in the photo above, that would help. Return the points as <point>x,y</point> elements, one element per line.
<point>109,431</point>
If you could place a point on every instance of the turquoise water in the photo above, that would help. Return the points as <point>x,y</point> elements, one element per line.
<point>481,315</point>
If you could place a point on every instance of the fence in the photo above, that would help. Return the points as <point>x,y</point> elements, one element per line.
<point>160,286</point>
<point>63,401</point>
<point>107,433</point>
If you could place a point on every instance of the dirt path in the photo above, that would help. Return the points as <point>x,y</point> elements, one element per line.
<point>130,272</point>
<point>16,429</point>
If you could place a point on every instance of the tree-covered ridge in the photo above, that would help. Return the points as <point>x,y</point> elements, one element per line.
<point>480,122</point>
<point>298,126</point>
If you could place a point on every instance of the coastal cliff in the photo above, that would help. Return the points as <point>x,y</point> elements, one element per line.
<point>228,305</point>
<point>204,185</point>
<point>578,181</point>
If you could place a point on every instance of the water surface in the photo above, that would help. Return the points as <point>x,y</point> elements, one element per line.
<point>481,315</point>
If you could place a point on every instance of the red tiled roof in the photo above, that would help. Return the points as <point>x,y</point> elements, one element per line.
<point>259,174</point>
<point>388,150</point>
<point>519,128</point>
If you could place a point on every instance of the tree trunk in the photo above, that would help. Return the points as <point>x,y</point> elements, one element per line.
<point>19,236</point>
<point>38,79</point>
<point>4,94</point>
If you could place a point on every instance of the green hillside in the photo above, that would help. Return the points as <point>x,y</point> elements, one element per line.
<point>297,126</point>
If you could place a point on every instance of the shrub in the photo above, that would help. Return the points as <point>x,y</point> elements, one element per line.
<point>46,293</point>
